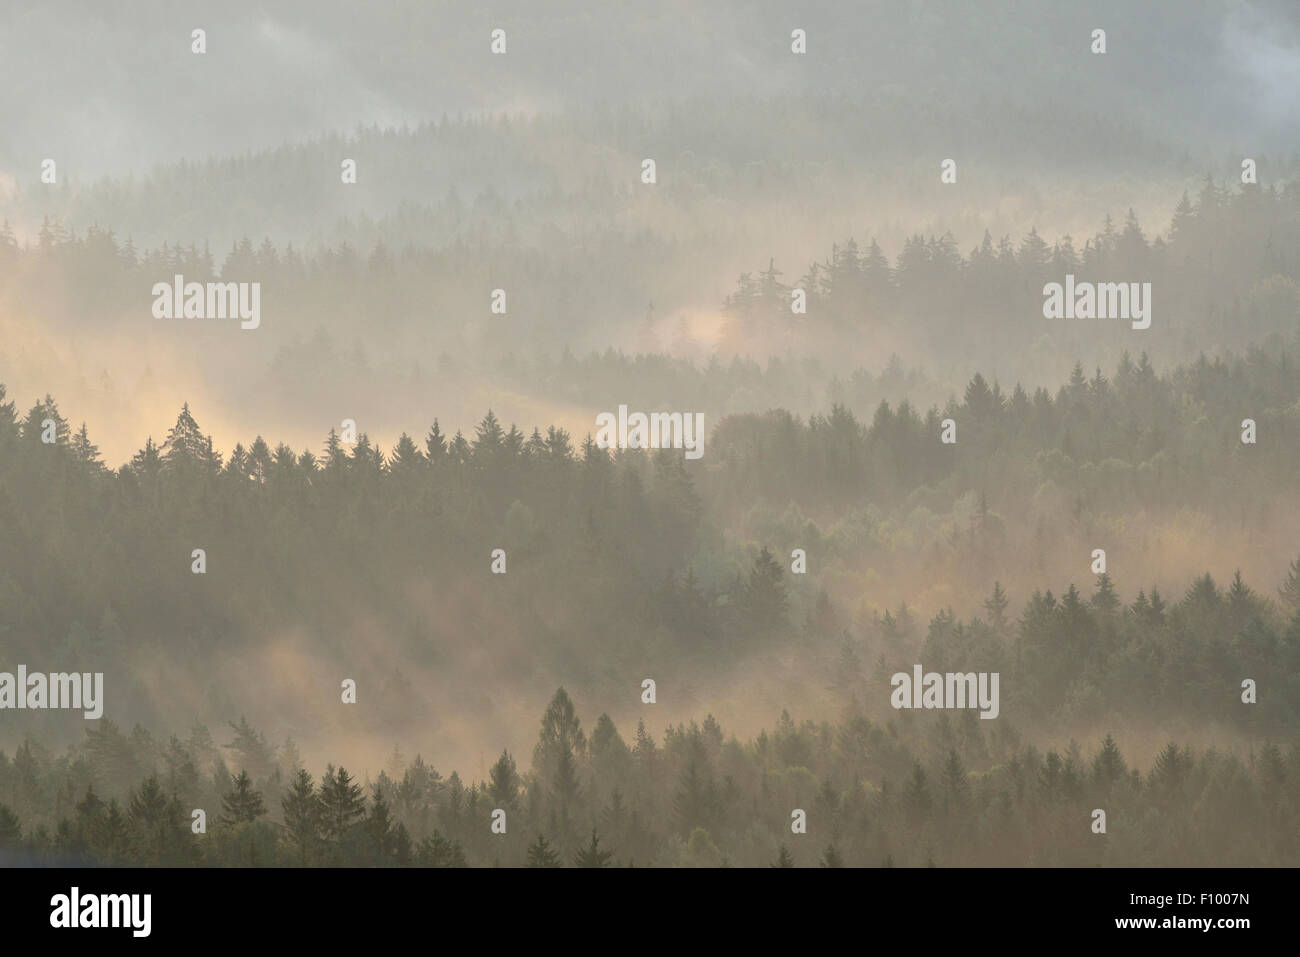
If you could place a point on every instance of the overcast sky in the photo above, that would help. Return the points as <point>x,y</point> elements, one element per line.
<point>105,91</point>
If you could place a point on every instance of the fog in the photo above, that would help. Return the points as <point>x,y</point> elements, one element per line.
<point>501,261</point>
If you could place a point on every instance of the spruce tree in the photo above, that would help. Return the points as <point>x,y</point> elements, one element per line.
<point>831,857</point>
<point>302,816</point>
<point>542,854</point>
<point>243,805</point>
<point>996,606</point>
<point>592,855</point>
<point>342,804</point>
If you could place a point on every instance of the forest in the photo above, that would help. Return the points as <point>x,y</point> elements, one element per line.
<point>916,329</point>
<point>326,567</point>
<point>370,562</point>
<point>396,533</point>
<point>362,542</point>
<point>875,794</point>
<point>1224,271</point>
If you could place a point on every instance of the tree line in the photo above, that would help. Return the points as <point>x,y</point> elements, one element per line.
<point>96,564</point>
<point>1224,275</point>
<point>908,792</point>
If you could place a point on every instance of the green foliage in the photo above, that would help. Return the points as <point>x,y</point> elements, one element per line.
<point>592,855</point>
<point>944,815</point>
<point>542,854</point>
<point>243,805</point>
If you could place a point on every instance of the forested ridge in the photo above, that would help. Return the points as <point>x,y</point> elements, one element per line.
<point>1224,275</point>
<point>687,558</point>
<point>950,516</point>
<point>688,555</point>
<point>369,560</point>
<point>875,794</point>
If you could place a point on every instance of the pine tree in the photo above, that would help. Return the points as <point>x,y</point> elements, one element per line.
<point>1104,599</point>
<point>336,458</point>
<point>1183,221</point>
<point>1289,592</point>
<point>763,596</point>
<point>243,805</point>
<point>1203,596</point>
<point>916,798</point>
<point>1157,607</point>
<point>693,802</point>
<point>645,750</point>
<point>85,451</point>
<point>186,447</point>
<point>406,458</point>
<point>831,857</point>
<point>403,848</point>
<point>904,621</point>
<point>379,828</point>
<point>33,428</point>
<point>237,464</point>
<point>252,753</point>
<point>342,804</point>
<point>503,781</point>
<point>956,786</point>
<point>1239,594</point>
<point>1169,771</point>
<point>889,629</point>
<point>541,854</point>
<point>259,460</point>
<point>437,851</point>
<point>9,430</point>
<point>1108,767</point>
<point>436,445</point>
<point>848,668</point>
<point>783,858</point>
<point>489,440</point>
<point>561,740</point>
<point>1141,607</point>
<point>90,820</point>
<point>11,831</point>
<point>979,398</point>
<point>1034,254</point>
<point>302,815</point>
<point>156,824</point>
<point>458,451</point>
<point>996,606</point>
<point>592,855</point>
<point>148,804</point>
<point>367,459</point>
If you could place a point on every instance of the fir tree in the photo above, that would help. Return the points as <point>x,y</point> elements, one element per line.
<point>341,801</point>
<point>541,854</point>
<point>302,815</point>
<point>592,855</point>
<point>243,805</point>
